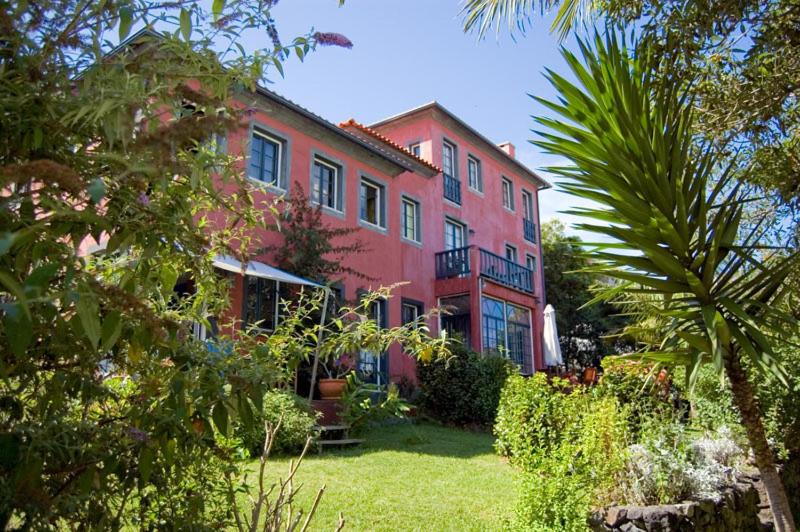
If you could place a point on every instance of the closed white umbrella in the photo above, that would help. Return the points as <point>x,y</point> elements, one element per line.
<point>552,349</point>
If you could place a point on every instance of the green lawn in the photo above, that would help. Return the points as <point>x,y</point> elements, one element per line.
<point>409,477</point>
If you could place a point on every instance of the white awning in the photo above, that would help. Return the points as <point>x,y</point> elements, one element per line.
<point>259,269</point>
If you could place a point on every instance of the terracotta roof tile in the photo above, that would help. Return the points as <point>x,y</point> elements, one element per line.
<point>386,140</point>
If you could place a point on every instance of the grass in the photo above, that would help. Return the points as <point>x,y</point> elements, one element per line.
<point>408,477</point>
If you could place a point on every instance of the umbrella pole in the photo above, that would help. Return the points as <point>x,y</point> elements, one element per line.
<point>319,343</point>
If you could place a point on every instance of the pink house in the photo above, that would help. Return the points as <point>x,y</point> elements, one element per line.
<point>439,205</point>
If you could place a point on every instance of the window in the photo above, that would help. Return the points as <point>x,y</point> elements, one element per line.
<point>448,159</point>
<point>326,184</point>
<point>494,325</point>
<point>410,222</point>
<point>506,331</point>
<point>474,171</point>
<point>372,199</point>
<point>260,302</point>
<point>372,364</point>
<point>530,262</point>
<point>511,253</point>
<point>508,194</point>
<point>527,205</point>
<point>453,235</point>
<point>416,149</point>
<point>411,311</point>
<point>265,159</point>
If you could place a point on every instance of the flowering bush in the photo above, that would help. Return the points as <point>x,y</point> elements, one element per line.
<point>669,466</point>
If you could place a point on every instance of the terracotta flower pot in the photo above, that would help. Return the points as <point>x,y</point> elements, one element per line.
<point>332,388</point>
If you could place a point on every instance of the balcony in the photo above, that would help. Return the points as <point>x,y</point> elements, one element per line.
<point>529,230</point>
<point>505,272</point>
<point>452,189</point>
<point>456,263</point>
<point>452,263</point>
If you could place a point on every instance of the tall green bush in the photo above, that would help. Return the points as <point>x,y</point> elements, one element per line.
<point>569,444</point>
<point>464,388</point>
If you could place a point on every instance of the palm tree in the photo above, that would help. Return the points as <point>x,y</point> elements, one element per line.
<point>673,209</point>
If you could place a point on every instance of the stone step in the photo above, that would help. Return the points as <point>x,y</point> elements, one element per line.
<point>349,441</point>
<point>327,428</point>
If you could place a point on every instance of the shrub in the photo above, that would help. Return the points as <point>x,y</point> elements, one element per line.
<point>297,424</point>
<point>464,388</point>
<point>365,403</point>
<point>531,418</point>
<point>570,445</point>
<point>644,396</point>
<point>670,465</point>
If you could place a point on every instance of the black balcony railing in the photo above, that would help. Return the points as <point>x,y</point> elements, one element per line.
<point>529,230</point>
<point>452,263</point>
<point>452,189</point>
<point>506,272</point>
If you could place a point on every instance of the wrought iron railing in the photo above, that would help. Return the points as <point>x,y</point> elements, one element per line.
<point>529,230</point>
<point>506,272</point>
<point>452,189</point>
<point>452,263</point>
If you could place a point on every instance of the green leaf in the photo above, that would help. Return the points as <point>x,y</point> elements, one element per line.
<point>216,8</point>
<point>146,459</point>
<point>112,327</point>
<point>125,22</point>
<point>220,416</point>
<point>6,241</point>
<point>97,190</point>
<point>89,315</point>
<point>18,327</point>
<point>278,65</point>
<point>186,24</point>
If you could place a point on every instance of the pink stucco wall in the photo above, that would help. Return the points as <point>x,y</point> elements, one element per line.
<point>392,259</point>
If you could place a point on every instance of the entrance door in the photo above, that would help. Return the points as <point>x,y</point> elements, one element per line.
<point>372,365</point>
<point>457,322</point>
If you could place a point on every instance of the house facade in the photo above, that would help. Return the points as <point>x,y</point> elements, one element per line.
<point>439,206</point>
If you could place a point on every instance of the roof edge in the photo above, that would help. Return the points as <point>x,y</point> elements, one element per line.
<point>386,140</point>
<point>543,184</point>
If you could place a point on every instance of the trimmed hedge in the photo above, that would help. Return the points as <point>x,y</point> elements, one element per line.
<point>463,389</point>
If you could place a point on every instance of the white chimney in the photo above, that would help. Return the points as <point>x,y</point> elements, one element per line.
<point>508,148</point>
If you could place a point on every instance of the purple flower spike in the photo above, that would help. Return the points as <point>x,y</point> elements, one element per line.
<point>137,435</point>
<point>332,39</point>
<point>144,199</point>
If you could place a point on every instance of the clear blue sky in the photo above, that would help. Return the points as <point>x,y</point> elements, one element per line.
<point>409,52</point>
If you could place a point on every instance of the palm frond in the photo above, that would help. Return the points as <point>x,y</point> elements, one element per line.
<point>672,207</point>
<point>517,15</point>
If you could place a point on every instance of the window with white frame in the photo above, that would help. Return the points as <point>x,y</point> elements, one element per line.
<point>453,234</point>
<point>415,148</point>
<point>410,220</point>
<point>508,194</point>
<point>326,184</point>
<point>448,159</point>
<point>474,174</point>
<point>411,311</point>
<point>530,262</point>
<point>372,198</point>
<point>511,253</point>
<point>266,152</point>
<point>527,205</point>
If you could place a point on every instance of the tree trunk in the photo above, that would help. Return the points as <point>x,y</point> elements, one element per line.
<point>745,401</point>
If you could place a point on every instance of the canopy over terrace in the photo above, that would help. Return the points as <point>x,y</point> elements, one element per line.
<point>265,271</point>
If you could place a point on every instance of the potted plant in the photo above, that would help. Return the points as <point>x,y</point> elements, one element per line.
<point>337,370</point>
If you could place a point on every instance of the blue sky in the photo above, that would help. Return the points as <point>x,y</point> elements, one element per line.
<point>409,52</point>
